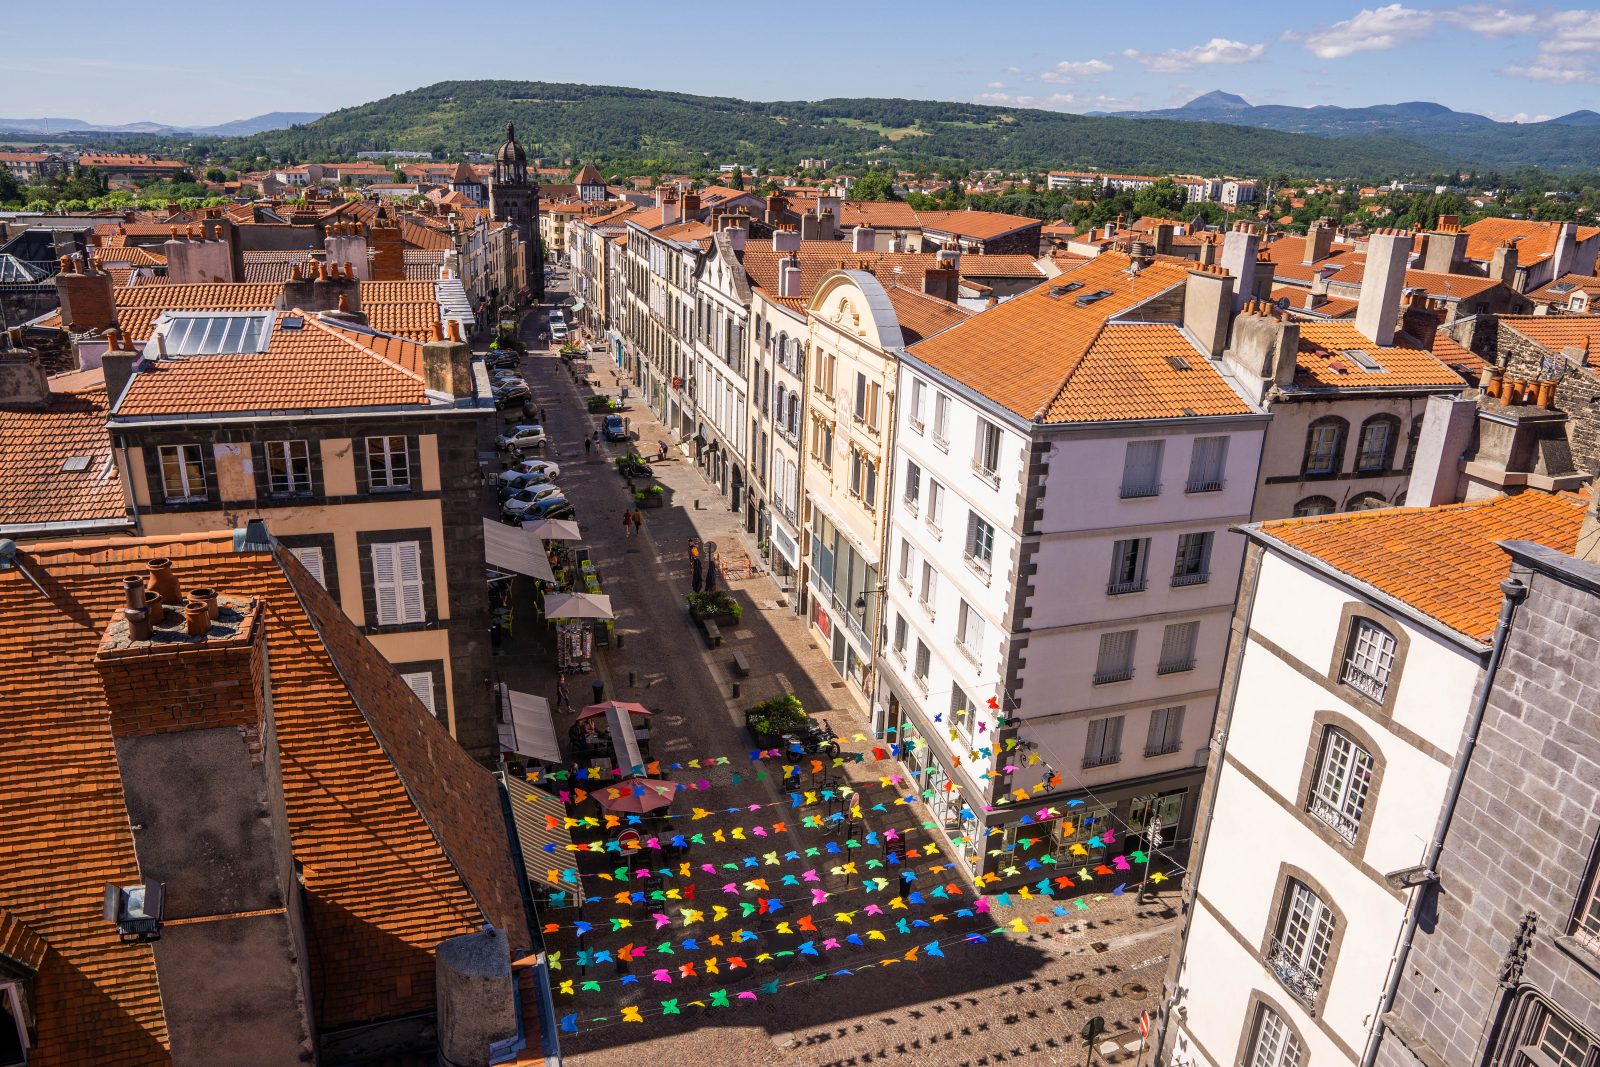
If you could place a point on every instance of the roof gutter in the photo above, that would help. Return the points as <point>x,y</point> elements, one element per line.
<point>134,422</point>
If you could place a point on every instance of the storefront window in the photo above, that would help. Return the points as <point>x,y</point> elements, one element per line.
<point>1078,827</point>
<point>1168,807</point>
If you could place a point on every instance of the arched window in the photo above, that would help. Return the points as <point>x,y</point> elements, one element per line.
<point>1314,505</point>
<point>1273,1043</point>
<point>1325,445</point>
<point>1366,502</point>
<point>1379,436</point>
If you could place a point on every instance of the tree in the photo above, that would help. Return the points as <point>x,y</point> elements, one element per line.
<point>10,188</point>
<point>216,174</point>
<point>874,185</point>
<point>1161,199</point>
<point>736,181</point>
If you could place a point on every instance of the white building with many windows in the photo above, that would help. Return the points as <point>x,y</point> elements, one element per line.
<point>1060,571</point>
<point>1361,643</point>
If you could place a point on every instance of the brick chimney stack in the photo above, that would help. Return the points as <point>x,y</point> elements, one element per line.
<point>1382,284</point>
<point>1239,250</point>
<point>23,381</point>
<point>389,257</point>
<point>196,749</point>
<point>447,362</point>
<point>86,296</point>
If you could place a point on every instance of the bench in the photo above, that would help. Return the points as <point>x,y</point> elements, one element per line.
<point>741,664</point>
<point>713,633</point>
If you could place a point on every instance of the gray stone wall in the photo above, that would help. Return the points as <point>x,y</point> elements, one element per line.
<point>1523,838</point>
<point>1577,394</point>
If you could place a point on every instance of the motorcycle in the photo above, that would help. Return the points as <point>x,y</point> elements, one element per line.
<point>811,739</point>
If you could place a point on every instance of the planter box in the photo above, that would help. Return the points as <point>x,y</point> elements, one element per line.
<point>722,618</point>
<point>651,501</point>
<point>761,740</point>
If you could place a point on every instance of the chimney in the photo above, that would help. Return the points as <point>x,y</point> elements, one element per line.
<point>1503,265</point>
<point>1384,280</point>
<point>736,233</point>
<point>1208,249</point>
<point>23,382</point>
<point>86,297</point>
<point>447,363</point>
<point>1566,249</point>
<point>789,276</point>
<point>785,239</point>
<point>476,996</point>
<point>949,257</point>
<point>1263,346</point>
<point>863,239</point>
<point>345,243</point>
<point>1445,247</point>
<point>321,291</point>
<point>828,208</point>
<point>940,282</point>
<point>1208,307</point>
<point>669,210</point>
<point>776,206</point>
<point>1319,242</point>
<point>1419,320</point>
<point>196,752</point>
<point>195,259</point>
<point>1589,533</point>
<point>691,205</point>
<point>1239,250</point>
<point>388,262</point>
<point>1162,239</point>
<point>1446,435</point>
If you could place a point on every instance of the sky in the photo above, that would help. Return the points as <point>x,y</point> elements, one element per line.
<point>1513,61</point>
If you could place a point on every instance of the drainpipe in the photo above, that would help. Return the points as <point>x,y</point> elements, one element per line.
<point>1514,593</point>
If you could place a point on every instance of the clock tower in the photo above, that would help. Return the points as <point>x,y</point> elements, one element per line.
<point>514,198</point>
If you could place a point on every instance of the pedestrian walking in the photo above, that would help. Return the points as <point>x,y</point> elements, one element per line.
<point>563,694</point>
<point>661,450</point>
<point>627,523</point>
<point>696,579</point>
<point>541,416</point>
<point>587,444</point>
<point>638,521</point>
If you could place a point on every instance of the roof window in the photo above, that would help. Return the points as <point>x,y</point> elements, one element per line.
<point>1058,291</point>
<point>1089,298</point>
<point>75,465</point>
<point>1360,358</point>
<point>216,334</point>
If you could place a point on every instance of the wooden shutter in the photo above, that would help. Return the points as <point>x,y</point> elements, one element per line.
<point>422,685</point>
<point>408,565</point>
<point>385,586</point>
<point>310,558</point>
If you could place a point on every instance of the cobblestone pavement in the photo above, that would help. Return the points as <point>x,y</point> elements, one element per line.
<point>1019,998</point>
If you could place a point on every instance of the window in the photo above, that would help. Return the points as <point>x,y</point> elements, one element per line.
<point>183,472</point>
<point>861,397</point>
<point>930,587</point>
<point>1115,662</point>
<point>1366,502</point>
<point>1272,1043</point>
<point>1314,505</point>
<point>422,685</point>
<point>855,472</point>
<point>913,486</point>
<point>1344,774</point>
<point>1128,560</point>
<point>388,463</point>
<point>980,544</point>
<point>822,442</point>
<point>1413,439</point>
<point>1192,566</point>
<point>288,468</point>
<point>919,390</point>
<point>1298,953</point>
<point>935,506</point>
<point>1105,742</point>
<point>397,583</point>
<point>986,452</point>
<point>1369,659</point>
<point>1206,464</point>
<point>1544,1039</point>
<point>1588,925</point>
<point>969,631</point>
<point>1166,731</point>
<point>960,711</point>
<point>14,1013</point>
<point>901,631</point>
<point>907,558</point>
<point>1325,445</point>
<point>920,669</point>
<point>869,483</point>
<point>941,421</point>
<point>1177,647</point>
<point>1377,443</point>
<point>310,558</point>
<point>1141,469</point>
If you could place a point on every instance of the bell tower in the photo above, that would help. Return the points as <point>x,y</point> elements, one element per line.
<point>514,199</point>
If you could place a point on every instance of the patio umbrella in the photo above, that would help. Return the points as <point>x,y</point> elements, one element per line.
<point>553,529</point>
<point>594,711</point>
<point>577,606</point>
<point>636,796</point>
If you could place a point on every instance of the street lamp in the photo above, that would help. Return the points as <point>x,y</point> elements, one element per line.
<point>1091,1033</point>
<point>1152,840</point>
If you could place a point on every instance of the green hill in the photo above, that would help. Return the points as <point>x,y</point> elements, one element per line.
<point>633,127</point>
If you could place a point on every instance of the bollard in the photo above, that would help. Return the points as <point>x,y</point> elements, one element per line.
<point>619,639</point>
<point>631,682</point>
<point>736,690</point>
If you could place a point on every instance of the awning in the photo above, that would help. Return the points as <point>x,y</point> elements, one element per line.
<point>577,606</point>
<point>624,741</point>
<point>577,306</point>
<point>553,530</point>
<point>509,549</point>
<point>528,730</point>
<point>541,822</point>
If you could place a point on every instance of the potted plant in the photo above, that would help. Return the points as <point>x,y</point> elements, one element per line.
<point>632,466</point>
<point>717,606</point>
<point>650,497</point>
<point>771,719</point>
<point>600,404</point>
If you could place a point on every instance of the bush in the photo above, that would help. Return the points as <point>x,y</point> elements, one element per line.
<point>707,605</point>
<point>778,715</point>
<point>507,339</point>
<point>649,491</point>
<point>633,466</point>
<point>600,404</point>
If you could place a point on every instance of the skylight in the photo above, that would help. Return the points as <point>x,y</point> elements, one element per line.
<point>75,464</point>
<point>1088,298</point>
<point>217,333</point>
<point>1361,359</point>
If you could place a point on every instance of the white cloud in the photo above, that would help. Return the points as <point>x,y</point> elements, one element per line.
<point>1068,70</point>
<point>1492,21</point>
<point>1370,31</point>
<point>1521,116</point>
<point>996,85</point>
<point>1216,52</point>
<point>1556,69</point>
<point>1574,31</point>
<point>1072,102</point>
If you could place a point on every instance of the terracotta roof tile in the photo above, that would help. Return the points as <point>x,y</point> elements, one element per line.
<point>1445,286</point>
<point>396,828</point>
<point>979,225</point>
<point>1556,332</point>
<point>1322,364</point>
<point>35,449</point>
<point>407,308</point>
<point>1442,561</point>
<point>920,315</point>
<point>1534,240</point>
<point>1561,290</point>
<point>1129,373</point>
<point>818,259</point>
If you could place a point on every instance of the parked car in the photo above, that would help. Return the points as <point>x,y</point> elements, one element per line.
<point>506,376</point>
<point>506,358</point>
<point>557,315</point>
<point>518,503</point>
<point>551,507</point>
<point>531,465</point>
<point>524,435</point>
<point>558,332</point>
<point>509,483</point>
<point>507,396</point>
<point>614,428</point>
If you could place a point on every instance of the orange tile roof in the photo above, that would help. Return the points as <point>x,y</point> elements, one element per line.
<point>35,445</point>
<point>317,366</point>
<point>686,233</point>
<point>1555,332</point>
<point>1031,354</point>
<point>979,225</point>
<point>1320,363</point>
<point>887,214</point>
<point>380,801</point>
<point>920,315</point>
<point>1445,286</point>
<point>1442,561</point>
<point>1333,307</point>
<point>1534,240</point>
<point>818,259</point>
<point>1551,294</point>
<point>407,308</point>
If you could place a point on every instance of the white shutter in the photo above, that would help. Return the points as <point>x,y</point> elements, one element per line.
<point>310,558</point>
<point>408,564</point>
<point>385,588</point>
<point>422,685</point>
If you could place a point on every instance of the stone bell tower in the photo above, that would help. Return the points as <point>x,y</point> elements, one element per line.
<point>514,198</point>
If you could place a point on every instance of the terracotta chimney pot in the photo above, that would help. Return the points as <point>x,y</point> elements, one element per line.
<point>163,581</point>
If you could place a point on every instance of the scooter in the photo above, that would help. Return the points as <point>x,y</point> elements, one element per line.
<point>812,739</point>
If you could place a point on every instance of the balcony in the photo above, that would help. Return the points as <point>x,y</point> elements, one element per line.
<point>917,425</point>
<point>1297,978</point>
<point>1116,674</point>
<point>1197,578</point>
<point>922,682</point>
<point>1204,487</point>
<point>977,566</point>
<point>927,607</point>
<point>911,505</point>
<point>969,652</point>
<point>1364,683</point>
<point>1176,666</point>
<point>1104,759</point>
<point>1137,585</point>
<point>1131,492</point>
<point>1152,751</point>
<point>940,441</point>
<point>1334,819</point>
<point>987,476</point>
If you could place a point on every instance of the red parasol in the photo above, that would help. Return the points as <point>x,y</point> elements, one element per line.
<point>595,711</point>
<point>636,795</point>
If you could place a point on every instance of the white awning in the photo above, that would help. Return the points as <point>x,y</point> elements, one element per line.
<point>577,606</point>
<point>530,731</point>
<point>624,740</point>
<point>553,529</point>
<point>508,548</point>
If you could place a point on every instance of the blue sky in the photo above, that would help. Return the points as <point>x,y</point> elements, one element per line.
<point>230,61</point>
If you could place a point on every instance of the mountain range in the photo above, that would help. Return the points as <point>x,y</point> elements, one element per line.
<point>274,120</point>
